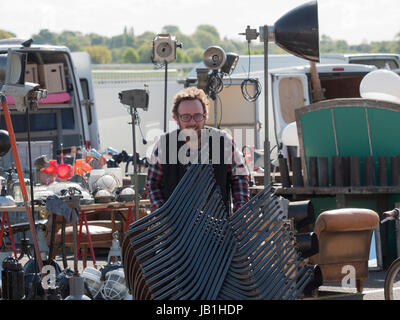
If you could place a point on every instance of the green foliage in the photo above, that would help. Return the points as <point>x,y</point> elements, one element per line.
<point>6,34</point>
<point>99,54</point>
<point>182,57</point>
<point>195,54</point>
<point>130,56</point>
<point>130,48</point>
<point>209,29</point>
<point>204,39</point>
<point>171,29</point>
<point>45,37</point>
<point>145,52</point>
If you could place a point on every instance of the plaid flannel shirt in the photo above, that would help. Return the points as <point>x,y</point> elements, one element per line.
<point>238,175</point>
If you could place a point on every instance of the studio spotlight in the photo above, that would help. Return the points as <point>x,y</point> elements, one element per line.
<point>230,63</point>
<point>214,57</point>
<point>164,48</point>
<point>296,32</point>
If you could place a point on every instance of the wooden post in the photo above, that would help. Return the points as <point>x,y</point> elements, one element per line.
<point>283,169</point>
<point>395,170</point>
<point>339,171</point>
<point>382,171</point>
<point>355,178</point>
<point>323,168</point>
<point>369,171</point>
<point>317,93</point>
<point>312,172</point>
<point>297,173</point>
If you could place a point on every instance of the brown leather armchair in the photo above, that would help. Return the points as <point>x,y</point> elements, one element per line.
<point>344,237</point>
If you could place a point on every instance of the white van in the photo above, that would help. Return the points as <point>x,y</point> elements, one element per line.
<point>67,117</point>
<point>380,60</point>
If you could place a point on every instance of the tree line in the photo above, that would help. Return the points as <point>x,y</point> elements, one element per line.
<point>130,48</point>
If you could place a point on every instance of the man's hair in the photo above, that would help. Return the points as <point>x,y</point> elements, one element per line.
<point>190,93</point>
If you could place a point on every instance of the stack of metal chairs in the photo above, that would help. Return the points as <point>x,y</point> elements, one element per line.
<point>190,248</point>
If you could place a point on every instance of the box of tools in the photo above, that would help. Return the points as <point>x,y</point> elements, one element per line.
<point>52,77</point>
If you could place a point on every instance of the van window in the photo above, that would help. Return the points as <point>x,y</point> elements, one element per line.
<point>40,121</point>
<point>86,96</point>
<point>380,64</point>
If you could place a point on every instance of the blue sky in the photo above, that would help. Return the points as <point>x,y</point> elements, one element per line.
<point>355,21</point>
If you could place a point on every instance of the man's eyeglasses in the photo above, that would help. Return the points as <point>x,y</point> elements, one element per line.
<point>188,117</point>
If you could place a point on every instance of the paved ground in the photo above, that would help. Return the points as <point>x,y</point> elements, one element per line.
<point>373,287</point>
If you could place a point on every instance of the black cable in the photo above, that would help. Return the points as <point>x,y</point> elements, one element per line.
<point>250,81</point>
<point>220,118</point>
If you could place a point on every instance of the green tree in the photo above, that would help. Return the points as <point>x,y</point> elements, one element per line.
<point>45,37</point>
<point>204,39</point>
<point>182,57</point>
<point>117,55</point>
<point>171,29</point>
<point>145,52</point>
<point>6,34</point>
<point>210,29</point>
<point>187,41</point>
<point>195,54</point>
<point>147,35</point>
<point>96,39</point>
<point>99,54</point>
<point>130,56</point>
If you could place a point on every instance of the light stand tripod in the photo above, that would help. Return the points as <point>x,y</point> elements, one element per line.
<point>135,98</point>
<point>165,96</point>
<point>135,121</point>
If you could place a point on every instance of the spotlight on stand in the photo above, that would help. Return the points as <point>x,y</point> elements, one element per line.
<point>164,50</point>
<point>296,32</point>
<point>25,95</point>
<point>214,57</point>
<point>220,64</point>
<point>136,98</point>
<point>12,81</point>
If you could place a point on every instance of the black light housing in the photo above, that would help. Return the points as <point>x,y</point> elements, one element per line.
<point>230,63</point>
<point>297,31</point>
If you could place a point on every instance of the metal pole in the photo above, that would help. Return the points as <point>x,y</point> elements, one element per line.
<point>74,234</point>
<point>267,158</point>
<point>216,113</point>
<point>135,176</point>
<point>30,170</point>
<point>165,96</point>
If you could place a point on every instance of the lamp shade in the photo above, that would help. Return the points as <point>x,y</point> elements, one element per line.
<point>297,31</point>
